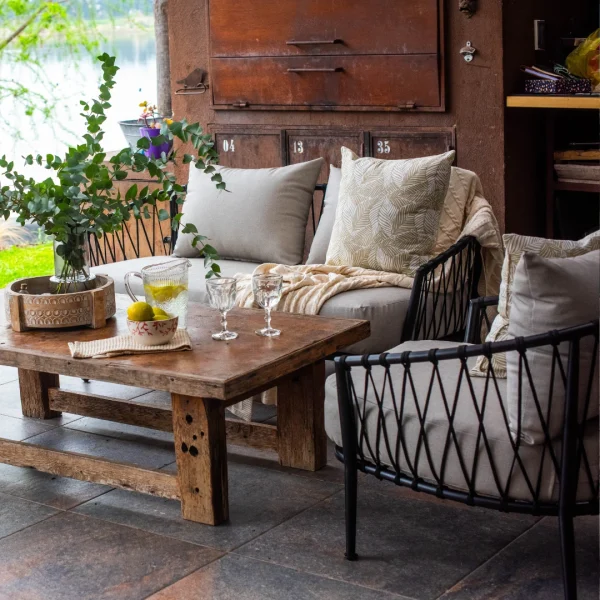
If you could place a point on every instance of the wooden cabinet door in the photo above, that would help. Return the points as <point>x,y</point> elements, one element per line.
<point>307,144</point>
<point>248,149</point>
<point>412,142</point>
<point>302,27</point>
<point>381,82</point>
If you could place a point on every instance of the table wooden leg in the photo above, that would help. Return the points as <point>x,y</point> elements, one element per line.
<point>301,419</point>
<point>201,452</point>
<point>34,393</point>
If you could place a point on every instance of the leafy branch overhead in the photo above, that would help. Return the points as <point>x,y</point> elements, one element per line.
<point>82,198</point>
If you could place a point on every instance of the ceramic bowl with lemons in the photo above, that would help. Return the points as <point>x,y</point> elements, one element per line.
<point>150,325</point>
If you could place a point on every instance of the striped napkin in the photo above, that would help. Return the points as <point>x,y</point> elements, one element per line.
<point>126,344</point>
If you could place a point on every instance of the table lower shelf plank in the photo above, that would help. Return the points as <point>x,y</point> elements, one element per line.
<point>256,435</point>
<point>87,468</point>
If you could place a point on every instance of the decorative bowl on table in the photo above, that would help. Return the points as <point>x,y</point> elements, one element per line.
<point>153,333</point>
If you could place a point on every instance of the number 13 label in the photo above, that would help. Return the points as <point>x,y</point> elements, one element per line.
<point>298,147</point>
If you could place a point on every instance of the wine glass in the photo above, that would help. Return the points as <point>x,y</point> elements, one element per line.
<point>267,293</point>
<point>221,295</point>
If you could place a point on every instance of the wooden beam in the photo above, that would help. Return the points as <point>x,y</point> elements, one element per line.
<point>87,468</point>
<point>34,388</point>
<point>119,411</point>
<point>257,435</point>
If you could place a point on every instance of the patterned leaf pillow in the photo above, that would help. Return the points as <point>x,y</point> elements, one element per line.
<point>514,247</point>
<point>388,212</point>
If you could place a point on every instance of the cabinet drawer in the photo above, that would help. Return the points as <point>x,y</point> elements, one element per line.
<point>411,143</point>
<point>248,150</point>
<point>300,27</point>
<point>328,81</point>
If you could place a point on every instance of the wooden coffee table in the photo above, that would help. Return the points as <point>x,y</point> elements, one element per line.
<point>202,383</point>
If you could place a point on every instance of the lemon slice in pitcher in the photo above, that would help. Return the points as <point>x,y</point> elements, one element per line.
<point>164,293</point>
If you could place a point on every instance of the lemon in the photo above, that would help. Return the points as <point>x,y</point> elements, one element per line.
<point>161,317</point>
<point>140,311</point>
<point>164,293</point>
<point>159,312</point>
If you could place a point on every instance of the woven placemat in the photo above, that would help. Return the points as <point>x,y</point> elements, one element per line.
<point>126,344</point>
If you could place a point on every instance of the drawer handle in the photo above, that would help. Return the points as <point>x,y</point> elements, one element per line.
<point>309,70</point>
<point>312,42</point>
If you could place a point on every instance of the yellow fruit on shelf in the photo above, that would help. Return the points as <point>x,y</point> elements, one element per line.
<point>159,312</point>
<point>140,311</point>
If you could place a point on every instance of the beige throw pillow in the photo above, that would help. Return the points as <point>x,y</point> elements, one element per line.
<point>549,294</point>
<point>388,212</point>
<point>261,217</point>
<point>514,247</point>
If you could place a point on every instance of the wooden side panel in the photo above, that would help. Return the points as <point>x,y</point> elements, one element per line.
<point>411,142</point>
<point>335,27</point>
<point>34,388</point>
<point>249,150</point>
<point>304,145</point>
<point>328,81</point>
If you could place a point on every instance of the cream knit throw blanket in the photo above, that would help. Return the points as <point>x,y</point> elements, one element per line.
<point>308,287</point>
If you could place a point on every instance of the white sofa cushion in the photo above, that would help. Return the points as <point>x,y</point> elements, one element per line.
<point>388,211</point>
<point>466,425</point>
<point>261,217</point>
<point>550,294</point>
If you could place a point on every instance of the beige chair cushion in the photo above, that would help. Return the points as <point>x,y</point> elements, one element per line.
<point>261,217</point>
<point>515,246</point>
<point>548,294</point>
<point>197,280</point>
<point>388,212</point>
<point>466,428</point>
<point>318,248</point>
<point>385,308</point>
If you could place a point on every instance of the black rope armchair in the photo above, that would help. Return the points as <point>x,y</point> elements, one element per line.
<point>420,419</point>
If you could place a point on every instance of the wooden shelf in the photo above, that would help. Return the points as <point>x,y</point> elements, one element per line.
<point>553,101</point>
<point>577,186</point>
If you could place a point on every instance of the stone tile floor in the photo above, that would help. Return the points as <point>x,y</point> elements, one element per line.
<point>66,539</point>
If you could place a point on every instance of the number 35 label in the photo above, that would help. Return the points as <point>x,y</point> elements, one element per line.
<point>383,147</point>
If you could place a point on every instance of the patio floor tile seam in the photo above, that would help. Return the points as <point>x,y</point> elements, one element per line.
<point>288,518</point>
<point>321,575</point>
<point>490,559</point>
<point>216,559</point>
<point>58,512</point>
<point>161,535</point>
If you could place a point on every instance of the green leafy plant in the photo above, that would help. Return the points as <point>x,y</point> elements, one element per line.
<point>83,199</point>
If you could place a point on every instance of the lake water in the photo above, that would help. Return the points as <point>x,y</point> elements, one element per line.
<point>136,81</point>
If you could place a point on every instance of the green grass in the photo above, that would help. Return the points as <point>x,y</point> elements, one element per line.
<point>25,261</point>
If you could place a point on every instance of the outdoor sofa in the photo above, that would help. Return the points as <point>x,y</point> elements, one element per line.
<point>427,311</point>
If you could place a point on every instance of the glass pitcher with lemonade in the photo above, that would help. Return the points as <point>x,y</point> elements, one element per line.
<point>165,286</point>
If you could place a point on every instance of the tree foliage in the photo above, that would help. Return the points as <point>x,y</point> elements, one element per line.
<point>82,197</point>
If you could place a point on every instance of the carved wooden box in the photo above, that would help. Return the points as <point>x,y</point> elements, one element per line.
<point>35,309</point>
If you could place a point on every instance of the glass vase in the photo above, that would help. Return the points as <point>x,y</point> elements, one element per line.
<point>72,266</point>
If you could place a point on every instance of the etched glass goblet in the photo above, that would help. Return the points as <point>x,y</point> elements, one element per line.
<point>221,295</point>
<point>267,293</point>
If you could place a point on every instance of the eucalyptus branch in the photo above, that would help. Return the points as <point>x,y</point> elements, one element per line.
<point>83,197</point>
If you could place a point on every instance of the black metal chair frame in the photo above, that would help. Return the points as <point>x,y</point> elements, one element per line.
<point>566,466</point>
<point>438,305</point>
